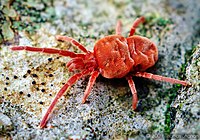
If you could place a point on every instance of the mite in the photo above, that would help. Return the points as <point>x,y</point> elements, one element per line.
<point>114,56</point>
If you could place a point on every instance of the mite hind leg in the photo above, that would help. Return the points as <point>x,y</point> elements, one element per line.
<point>133,91</point>
<point>135,25</point>
<point>161,78</point>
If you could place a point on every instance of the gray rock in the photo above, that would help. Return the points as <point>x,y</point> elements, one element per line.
<point>5,123</point>
<point>187,120</point>
<point>107,113</point>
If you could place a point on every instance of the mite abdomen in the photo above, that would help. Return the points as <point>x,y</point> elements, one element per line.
<point>143,51</point>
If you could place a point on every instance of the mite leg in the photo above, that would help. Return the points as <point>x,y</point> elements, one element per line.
<point>47,50</point>
<point>91,82</point>
<point>69,83</point>
<point>160,78</point>
<point>118,29</point>
<point>135,25</point>
<point>73,41</point>
<point>75,66</point>
<point>133,91</point>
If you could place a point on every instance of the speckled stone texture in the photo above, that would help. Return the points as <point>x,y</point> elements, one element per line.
<point>29,81</point>
<point>187,121</point>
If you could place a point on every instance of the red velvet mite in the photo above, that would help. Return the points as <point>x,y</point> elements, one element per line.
<point>114,56</point>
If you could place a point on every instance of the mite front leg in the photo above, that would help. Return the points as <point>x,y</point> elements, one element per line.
<point>91,82</point>
<point>73,41</point>
<point>47,50</point>
<point>160,78</point>
<point>135,25</point>
<point>69,83</point>
<point>133,91</point>
<point>118,29</point>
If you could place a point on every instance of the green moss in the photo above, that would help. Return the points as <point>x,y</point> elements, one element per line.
<point>188,56</point>
<point>1,38</point>
<point>171,95</point>
<point>163,22</point>
<point>170,112</point>
<point>23,16</point>
<point>154,21</point>
<point>168,122</point>
<point>30,17</point>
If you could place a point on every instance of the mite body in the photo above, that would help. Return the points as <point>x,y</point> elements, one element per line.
<point>114,56</point>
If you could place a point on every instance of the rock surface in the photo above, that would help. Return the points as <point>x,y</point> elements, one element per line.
<point>29,81</point>
<point>187,121</point>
